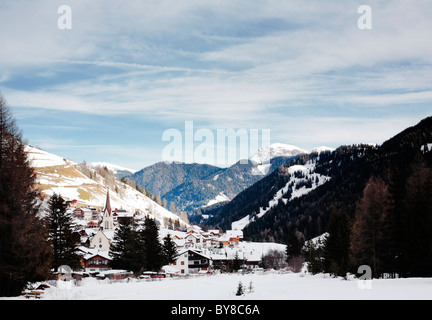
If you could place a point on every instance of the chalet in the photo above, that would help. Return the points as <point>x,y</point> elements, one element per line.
<point>227,240</point>
<point>193,240</point>
<point>194,229</point>
<point>214,232</point>
<point>96,262</point>
<point>209,240</point>
<point>93,224</point>
<point>83,213</point>
<point>121,214</point>
<point>192,262</point>
<point>95,213</point>
<point>180,229</point>
<point>180,243</point>
<point>71,203</point>
<point>235,233</point>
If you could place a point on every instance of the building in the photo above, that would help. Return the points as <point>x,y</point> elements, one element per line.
<point>229,240</point>
<point>123,215</point>
<point>83,213</point>
<point>96,262</point>
<point>102,240</point>
<point>107,217</point>
<point>192,262</point>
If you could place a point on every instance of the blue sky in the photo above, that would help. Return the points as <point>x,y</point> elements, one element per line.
<point>107,89</point>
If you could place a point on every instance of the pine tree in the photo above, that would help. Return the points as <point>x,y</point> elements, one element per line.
<point>337,244</point>
<point>169,250</point>
<point>60,224</point>
<point>313,257</point>
<point>152,247</point>
<point>236,265</point>
<point>370,233</point>
<point>24,251</point>
<point>397,195</point>
<point>294,246</point>
<point>126,248</point>
<point>240,289</point>
<point>417,221</point>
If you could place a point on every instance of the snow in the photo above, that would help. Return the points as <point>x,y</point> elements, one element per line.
<point>322,149</point>
<point>62,176</point>
<point>266,286</point>
<point>274,150</point>
<point>39,158</point>
<point>308,169</point>
<point>221,197</point>
<point>112,167</point>
<point>426,148</point>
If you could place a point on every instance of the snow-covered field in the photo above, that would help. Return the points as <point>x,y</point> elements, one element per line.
<point>265,286</point>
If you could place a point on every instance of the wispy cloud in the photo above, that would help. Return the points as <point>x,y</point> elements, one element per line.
<point>260,64</point>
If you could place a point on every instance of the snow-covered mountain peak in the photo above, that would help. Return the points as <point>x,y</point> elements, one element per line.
<point>322,149</point>
<point>276,150</point>
<point>112,167</point>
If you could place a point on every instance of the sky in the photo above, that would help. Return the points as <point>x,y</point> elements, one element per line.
<point>107,86</point>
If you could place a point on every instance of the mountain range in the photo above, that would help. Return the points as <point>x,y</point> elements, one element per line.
<point>192,186</point>
<point>279,190</point>
<point>299,195</point>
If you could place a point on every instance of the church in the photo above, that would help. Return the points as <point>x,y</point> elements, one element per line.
<point>102,239</point>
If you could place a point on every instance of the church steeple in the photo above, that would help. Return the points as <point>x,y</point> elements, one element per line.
<point>107,204</point>
<point>107,218</point>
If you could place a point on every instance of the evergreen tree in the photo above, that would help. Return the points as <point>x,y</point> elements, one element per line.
<point>236,265</point>
<point>313,258</point>
<point>417,221</point>
<point>240,289</point>
<point>294,246</point>
<point>151,245</point>
<point>126,248</point>
<point>60,223</point>
<point>169,250</point>
<point>397,234</point>
<point>337,244</point>
<point>370,232</point>
<point>24,251</point>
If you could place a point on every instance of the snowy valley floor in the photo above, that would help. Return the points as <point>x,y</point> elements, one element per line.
<point>268,286</point>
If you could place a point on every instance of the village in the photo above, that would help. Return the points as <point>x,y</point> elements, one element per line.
<point>199,252</point>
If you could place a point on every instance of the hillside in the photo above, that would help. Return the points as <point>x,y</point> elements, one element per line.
<point>193,186</point>
<point>89,187</point>
<point>162,177</point>
<point>119,171</point>
<point>347,170</point>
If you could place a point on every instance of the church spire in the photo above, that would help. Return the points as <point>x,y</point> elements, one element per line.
<point>108,204</point>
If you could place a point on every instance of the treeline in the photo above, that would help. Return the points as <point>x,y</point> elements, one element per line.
<point>139,249</point>
<point>307,214</point>
<point>24,249</point>
<point>391,231</point>
<point>350,168</point>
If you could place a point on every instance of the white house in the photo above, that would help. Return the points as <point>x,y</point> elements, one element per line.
<point>191,261</point>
